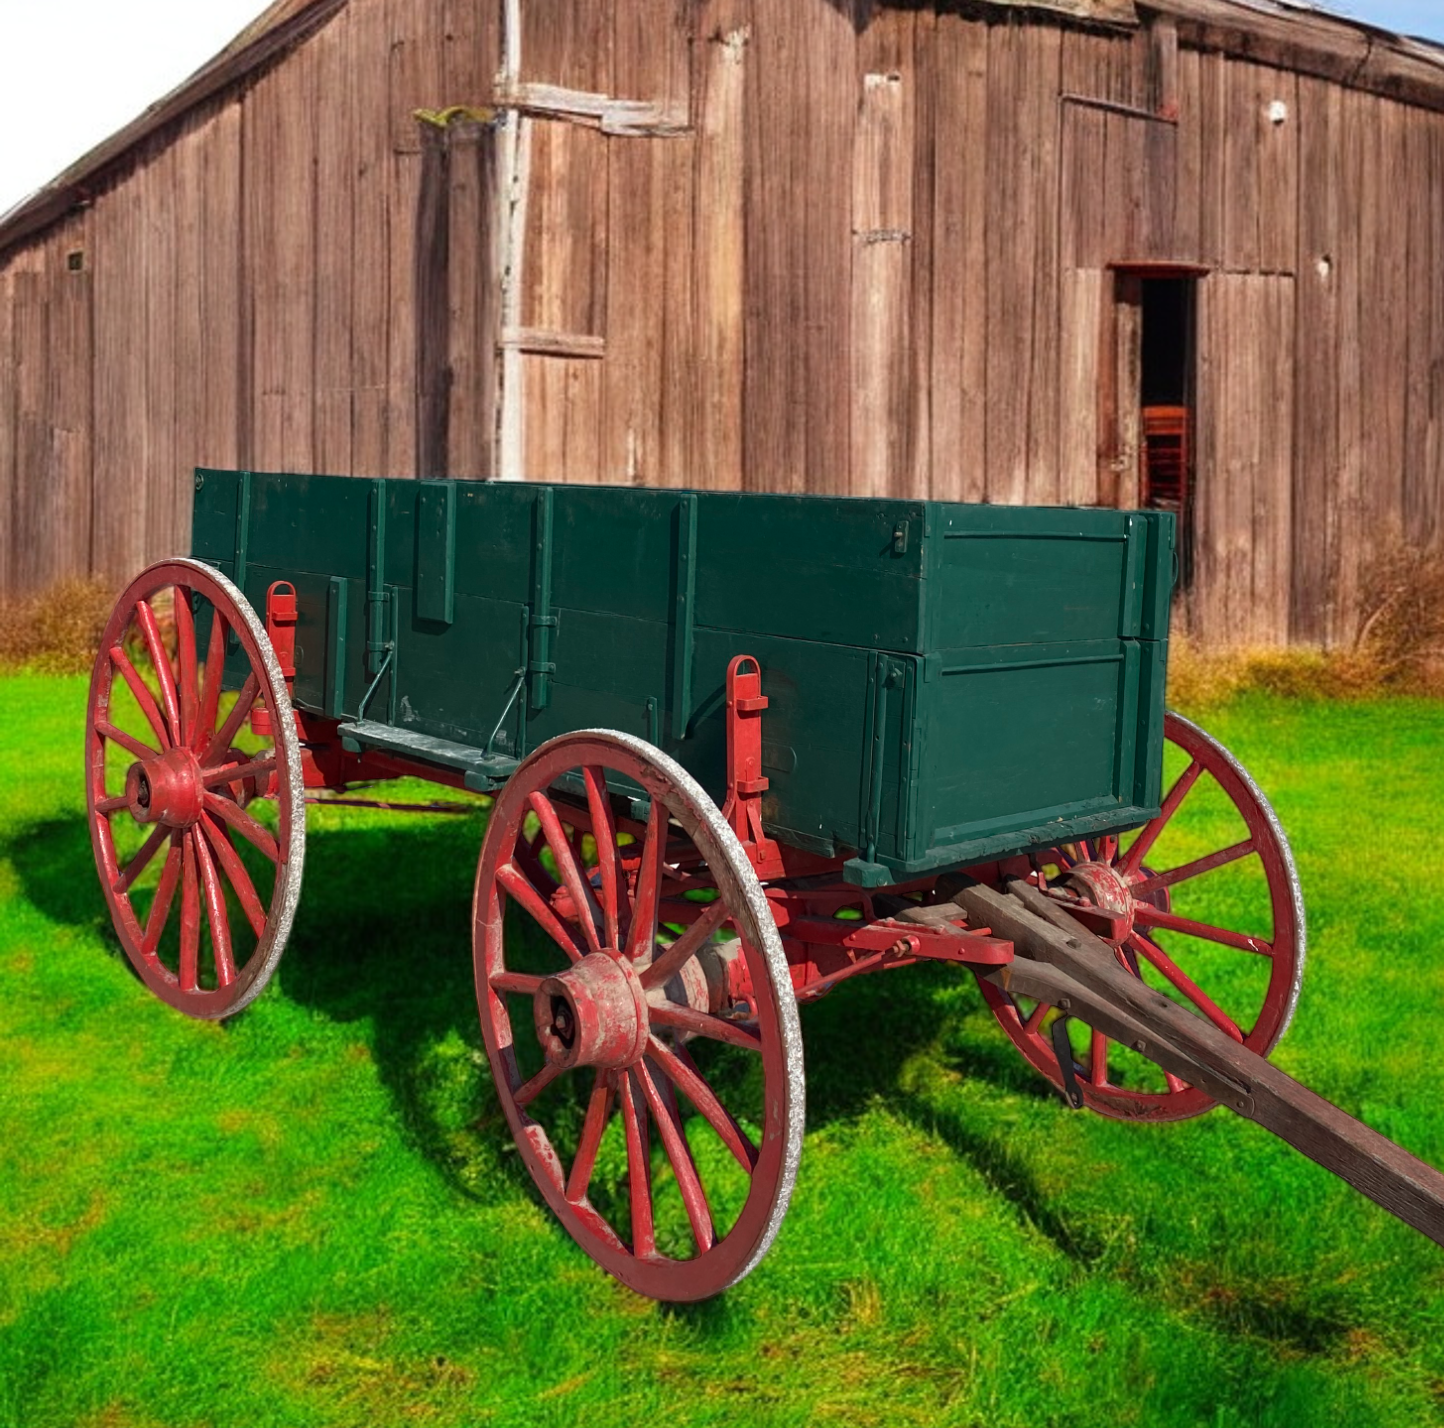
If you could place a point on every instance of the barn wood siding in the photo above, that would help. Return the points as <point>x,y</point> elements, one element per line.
<point>759,243</point>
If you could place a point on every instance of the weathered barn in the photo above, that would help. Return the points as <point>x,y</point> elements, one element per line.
<point>1182,252</point>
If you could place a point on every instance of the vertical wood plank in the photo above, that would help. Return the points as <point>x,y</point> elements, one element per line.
<point>1344,553</point>
<point>1083,293</point>
<point>280,242</point>
<point>1187,215</point>
<point>1042,457</point>
<point>156,185</point>
<point>1316,432</point>
<point>1214,195</point>
<point>1271,299</point>
<point>432,304</point>
<point>922,261</point>
<point>371,273</point>
<point>31,336</point>
<point>1278,170</point>
<point>1420,193</point>
<point>70,412</point>
<point>882,227</point>
<point>959,288</point>
<point>474,301</point>
<point>335,255</point>
<point>1012,216</point>
<point>9,584</point>
<point>799,248</point>
<point>121,454</point>
<point>721,257</point>
<point>1241,122</point>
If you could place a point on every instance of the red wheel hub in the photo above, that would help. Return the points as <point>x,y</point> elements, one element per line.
<point>593,1014</point>
<point>1104,886</point>
<point>166,790</point>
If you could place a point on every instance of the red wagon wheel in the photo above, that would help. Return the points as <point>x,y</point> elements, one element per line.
<point>1208,910</point>
<point>201,883</point>
<point>653,1076</point>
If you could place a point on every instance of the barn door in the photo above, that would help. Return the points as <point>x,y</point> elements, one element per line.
<point>1244,461</point>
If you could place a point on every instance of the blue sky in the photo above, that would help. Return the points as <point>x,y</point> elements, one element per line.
<point>1408,17</point>
<point>72,74</point>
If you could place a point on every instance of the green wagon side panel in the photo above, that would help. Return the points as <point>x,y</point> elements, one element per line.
<point>948,683</point>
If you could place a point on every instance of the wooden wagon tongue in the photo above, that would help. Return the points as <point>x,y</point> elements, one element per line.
<point>1061,963</point>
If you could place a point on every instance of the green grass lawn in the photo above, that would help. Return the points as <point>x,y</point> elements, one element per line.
<point>313,1215</point>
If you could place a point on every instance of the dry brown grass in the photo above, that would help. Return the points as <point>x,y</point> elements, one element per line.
<point>55,632</point>
<point>1398,648</point>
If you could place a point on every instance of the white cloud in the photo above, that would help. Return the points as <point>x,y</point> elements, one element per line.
<point>71,75</point>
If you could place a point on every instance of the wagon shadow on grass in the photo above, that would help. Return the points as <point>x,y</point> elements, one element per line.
<point>383,935</point>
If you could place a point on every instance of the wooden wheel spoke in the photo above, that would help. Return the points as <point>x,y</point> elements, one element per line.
<point>524,984</point>
<point>1174,1083</point>
<point>164,896</point>
<point>599,1112</point>
<point>221,741</point>
<point>188,684</point>
<point>679,1154</point>
<point>236,875</point>
<point>665,967</point>
<point>211,692</point>
<point>589,915</point>
<point>701,1024</point>
<point>128,742</point>
<point>1035,1019</point>
<point>142,859</point>
<point>530,1090</point>
<point>642,938</point>
<point>609,863</point>
<point>107,806</point>
<point>143,697</point>
<point>1185,984</point>
<point>680,1069</point>
<point>1098,1059</point>
<point>525,857</point>
<point>216,914</point>
<point>234,773</point>
<point>231,813</point>
<point>519,888</point>
<point>1195,869</point>
<point>1148,834</point>
<point>1154,917</point>
<point>639,1169</point>
<point>190,923</point>
<point>160,661</point>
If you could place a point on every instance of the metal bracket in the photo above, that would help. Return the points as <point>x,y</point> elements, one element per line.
<point>1063,1053</point>
<point>745,781</point>
<point>281,631</point>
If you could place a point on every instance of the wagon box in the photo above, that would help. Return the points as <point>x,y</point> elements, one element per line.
<point>946,682</point>
<point>739,749</point>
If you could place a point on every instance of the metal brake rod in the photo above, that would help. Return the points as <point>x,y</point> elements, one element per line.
<point>1073,970</point>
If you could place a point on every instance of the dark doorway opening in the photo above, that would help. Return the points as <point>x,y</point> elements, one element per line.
<point>1166,395</point>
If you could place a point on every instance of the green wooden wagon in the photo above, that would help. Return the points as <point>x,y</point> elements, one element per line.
<point>739,748</point>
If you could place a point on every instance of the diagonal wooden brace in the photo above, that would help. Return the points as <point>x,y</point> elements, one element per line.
<point>1070,968</point>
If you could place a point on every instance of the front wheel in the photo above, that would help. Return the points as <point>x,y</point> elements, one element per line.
<point>638,1014</point>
